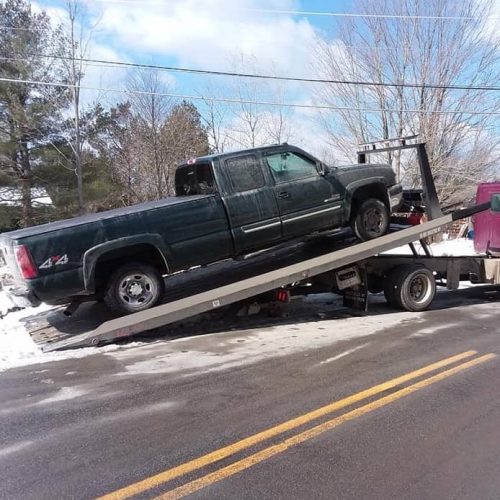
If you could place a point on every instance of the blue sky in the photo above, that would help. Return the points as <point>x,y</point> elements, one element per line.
<point>210,34</point>
<point>207,34</point>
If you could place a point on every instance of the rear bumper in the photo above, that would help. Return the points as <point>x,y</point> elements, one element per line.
<point>20,295</point>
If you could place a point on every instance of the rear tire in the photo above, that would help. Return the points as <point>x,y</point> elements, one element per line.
<point>133,287</point>
<point>371,220</point>
<point>411,288</point>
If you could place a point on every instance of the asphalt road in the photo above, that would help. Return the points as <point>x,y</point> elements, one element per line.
<point>388,405</point>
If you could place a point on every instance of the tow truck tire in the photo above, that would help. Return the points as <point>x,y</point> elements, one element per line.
<point>411,288</point>
<point>371,220</point>
<point>133,287</point>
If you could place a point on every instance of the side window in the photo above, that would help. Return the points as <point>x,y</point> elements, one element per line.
<point>245,173</point>
<point>290,166</point>
<point>194,179</point>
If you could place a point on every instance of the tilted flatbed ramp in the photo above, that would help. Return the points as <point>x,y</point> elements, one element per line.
<point>234,292</point>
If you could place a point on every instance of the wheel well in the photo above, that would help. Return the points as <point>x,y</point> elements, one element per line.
<point>377,191</point>
<point>110,261</point>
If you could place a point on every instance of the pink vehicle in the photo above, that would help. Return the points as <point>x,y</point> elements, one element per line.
<point>487,223</point>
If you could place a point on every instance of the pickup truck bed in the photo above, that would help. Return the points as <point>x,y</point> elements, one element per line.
<point>97,217</point>
<point>67,252</point>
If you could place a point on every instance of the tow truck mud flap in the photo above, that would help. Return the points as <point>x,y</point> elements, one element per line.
<point>352,281</point>
<point>492,271</point>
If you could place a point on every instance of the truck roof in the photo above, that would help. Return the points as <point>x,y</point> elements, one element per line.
<point>271,147</point>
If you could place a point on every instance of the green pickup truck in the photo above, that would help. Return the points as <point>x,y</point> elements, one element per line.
<point>226,205</point>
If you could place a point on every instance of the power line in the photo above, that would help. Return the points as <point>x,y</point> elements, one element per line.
<point>228,100</point>
<point>274,77</point>
<point>317,14</point>
<point>322,13</point>
<point>341,45</point>
<point>356,15</point>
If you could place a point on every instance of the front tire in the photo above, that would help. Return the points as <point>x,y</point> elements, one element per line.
<point>371,220</point>
<point>133,287</point>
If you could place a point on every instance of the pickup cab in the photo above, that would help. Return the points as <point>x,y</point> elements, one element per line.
<point>226,205</point>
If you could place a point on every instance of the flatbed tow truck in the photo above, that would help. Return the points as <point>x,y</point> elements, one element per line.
<point>408,281</point>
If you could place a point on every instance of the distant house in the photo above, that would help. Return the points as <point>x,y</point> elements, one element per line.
<point>13,197</point>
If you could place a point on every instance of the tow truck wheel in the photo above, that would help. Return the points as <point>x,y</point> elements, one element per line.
<point>371,220</point>
<point>410,287</point>
<point>133,287</point>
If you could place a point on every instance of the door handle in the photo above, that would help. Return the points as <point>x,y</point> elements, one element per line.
<point>284,194</point>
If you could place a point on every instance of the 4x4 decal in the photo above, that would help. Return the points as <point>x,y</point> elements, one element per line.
<point>55,260</point>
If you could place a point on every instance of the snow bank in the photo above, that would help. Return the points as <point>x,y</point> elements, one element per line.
<point>456,248</point>
<point>18,349</point>
<point>16,346</point>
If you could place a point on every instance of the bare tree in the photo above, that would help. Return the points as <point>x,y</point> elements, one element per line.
<point>407,50</point>
<point>247,126</point>
<point>150,110</point>
<point>278,118</point>
<point>30,115</point>
<point>74,48</point>
<point>256,124</point>
<point>215,119</point>
<point>185,137</point>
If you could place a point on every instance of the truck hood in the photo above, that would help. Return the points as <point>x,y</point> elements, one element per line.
<point>85,219</point>
<point>351,173</point>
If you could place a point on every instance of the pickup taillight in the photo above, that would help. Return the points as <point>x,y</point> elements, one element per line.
<point>25,262</point>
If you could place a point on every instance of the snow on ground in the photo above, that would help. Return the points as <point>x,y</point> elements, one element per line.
<point>209,352</point>
<point>224,350</point>
<point>18,349</point>
<point>457,248</point>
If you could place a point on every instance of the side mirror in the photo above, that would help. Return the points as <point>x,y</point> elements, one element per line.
<point>495,203</point>
<point>323,169</point>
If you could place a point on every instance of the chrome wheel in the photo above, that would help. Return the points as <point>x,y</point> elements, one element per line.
<point>136,290</point>
<point>134,287</point>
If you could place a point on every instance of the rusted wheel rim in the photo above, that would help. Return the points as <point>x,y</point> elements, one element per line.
<point>373,221</point>
<point>419,289</point>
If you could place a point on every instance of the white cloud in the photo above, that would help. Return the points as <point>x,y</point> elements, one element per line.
<point>204,33</point>
<point>210,34</point>
<point>102,77</point>
<point>56,14</point>
<point>491,28</point>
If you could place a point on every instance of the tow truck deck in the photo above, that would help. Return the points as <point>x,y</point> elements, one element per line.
<point>345,268</point>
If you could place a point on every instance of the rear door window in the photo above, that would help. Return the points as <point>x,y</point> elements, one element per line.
<point>245,173</point>
<point>194,179</point>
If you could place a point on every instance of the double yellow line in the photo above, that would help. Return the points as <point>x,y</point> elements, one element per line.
<point>255,458</point>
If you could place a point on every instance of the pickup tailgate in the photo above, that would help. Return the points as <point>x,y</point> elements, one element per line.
<point>10,277</point>
<point>7,259</point>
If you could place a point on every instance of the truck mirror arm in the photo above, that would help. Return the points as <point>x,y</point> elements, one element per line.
<point>323,169</point>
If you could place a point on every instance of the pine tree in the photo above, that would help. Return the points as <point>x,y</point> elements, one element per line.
<point>30,114</point>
